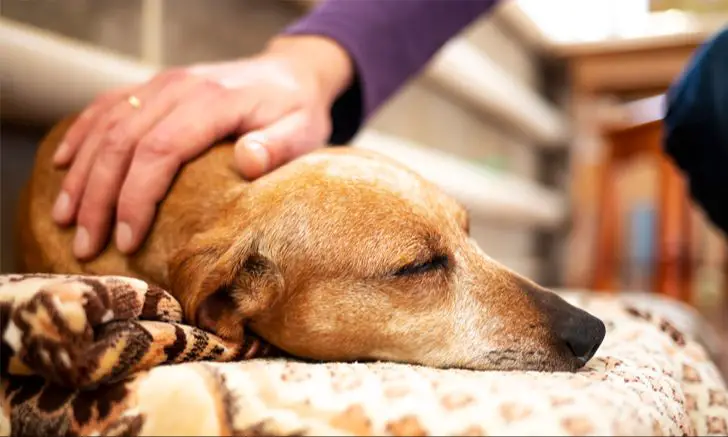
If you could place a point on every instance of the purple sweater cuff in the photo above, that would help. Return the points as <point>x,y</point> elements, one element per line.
<point>389,41</point>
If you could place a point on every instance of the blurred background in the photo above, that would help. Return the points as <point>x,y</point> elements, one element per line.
<point>543,118</point>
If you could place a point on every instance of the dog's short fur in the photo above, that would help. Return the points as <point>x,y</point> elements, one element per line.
<point>341,254</point>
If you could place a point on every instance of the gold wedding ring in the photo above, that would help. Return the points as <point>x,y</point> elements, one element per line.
<point>135,102</point>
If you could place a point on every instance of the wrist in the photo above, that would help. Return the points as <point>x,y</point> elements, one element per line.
<point>328,62</point>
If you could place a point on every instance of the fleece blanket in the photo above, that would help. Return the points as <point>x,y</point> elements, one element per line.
<point>110,356</point>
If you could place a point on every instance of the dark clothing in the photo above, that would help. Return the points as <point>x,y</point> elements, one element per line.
<point>696,127</point>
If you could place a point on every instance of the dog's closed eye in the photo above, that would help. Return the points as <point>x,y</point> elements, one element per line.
<point>437,262</point>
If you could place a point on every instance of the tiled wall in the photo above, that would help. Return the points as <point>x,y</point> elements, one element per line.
<point>196,30</point>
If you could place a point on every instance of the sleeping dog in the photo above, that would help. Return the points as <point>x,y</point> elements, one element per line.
<point>340,255</point>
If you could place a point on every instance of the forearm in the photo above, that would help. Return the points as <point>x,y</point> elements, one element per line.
<point>696,127</point>
<point>389,41</point>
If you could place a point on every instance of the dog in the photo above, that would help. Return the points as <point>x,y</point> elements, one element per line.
<point>339,255</point>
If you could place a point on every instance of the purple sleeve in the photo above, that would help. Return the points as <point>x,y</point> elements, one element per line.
<point>389,41</point>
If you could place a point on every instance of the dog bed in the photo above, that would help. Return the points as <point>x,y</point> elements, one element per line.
<point>110,356</point>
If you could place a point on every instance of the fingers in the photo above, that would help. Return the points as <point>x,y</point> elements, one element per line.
<point>75,134</point>
<point>265,149</point>
<point>187,131</point>
<point>106,116</point>
<point>64,210</point>
<point>113,157</point>
<point>82,142</point>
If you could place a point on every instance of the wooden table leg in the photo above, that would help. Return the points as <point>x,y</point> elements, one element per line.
<point>688,263</point>
<point>604,268</point>
<point>672,227</point>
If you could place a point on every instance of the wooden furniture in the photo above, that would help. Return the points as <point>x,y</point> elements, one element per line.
<point>646,70</point>
<point>641,134</point>
<point>624,70</point>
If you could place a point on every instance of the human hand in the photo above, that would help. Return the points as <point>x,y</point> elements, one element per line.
<point>126,147</point>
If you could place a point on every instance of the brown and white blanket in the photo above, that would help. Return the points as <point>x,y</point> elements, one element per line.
<point>111,356</point>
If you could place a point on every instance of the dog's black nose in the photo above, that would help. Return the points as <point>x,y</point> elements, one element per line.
<point>582,333</point>
<point>574,329</point>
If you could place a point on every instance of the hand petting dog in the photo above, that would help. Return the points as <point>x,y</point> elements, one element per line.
<point>126,147</point>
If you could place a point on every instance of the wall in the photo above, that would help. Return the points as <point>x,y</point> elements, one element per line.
<point>196,31</point>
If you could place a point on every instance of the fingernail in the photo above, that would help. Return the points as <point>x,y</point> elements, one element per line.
<point>60,156</point>
<point>123,237</point>
<point>254,144</point>
<point>61,209</point>
<point>81,243</point>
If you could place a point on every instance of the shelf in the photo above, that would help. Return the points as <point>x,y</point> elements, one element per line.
<point>469,75</point>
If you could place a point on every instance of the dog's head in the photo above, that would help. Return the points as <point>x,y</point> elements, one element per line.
<point>345,255</point>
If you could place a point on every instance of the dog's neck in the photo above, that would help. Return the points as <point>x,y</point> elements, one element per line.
<point>188,209</point>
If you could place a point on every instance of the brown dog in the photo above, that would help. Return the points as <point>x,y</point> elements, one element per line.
<point>339,255</point>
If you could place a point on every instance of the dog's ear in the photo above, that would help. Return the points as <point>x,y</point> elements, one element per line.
<point>222,281</point>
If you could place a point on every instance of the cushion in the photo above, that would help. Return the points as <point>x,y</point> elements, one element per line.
<point>111,356</point>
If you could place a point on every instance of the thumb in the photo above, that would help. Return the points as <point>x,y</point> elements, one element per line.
<point>262,150</point>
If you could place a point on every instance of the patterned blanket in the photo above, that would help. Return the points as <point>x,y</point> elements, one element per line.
<point>111,356</point>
